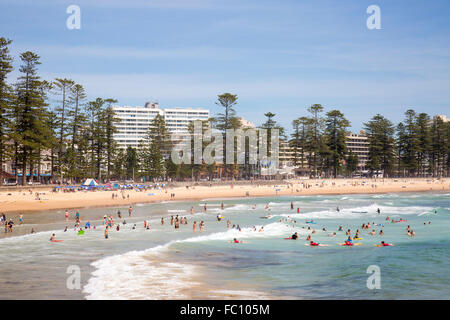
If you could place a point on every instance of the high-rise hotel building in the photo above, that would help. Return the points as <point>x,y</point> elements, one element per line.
<point>134,122</point>
<point>359,145</point>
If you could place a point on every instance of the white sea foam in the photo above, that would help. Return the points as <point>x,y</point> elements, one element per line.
<point>270,230</point>
<point>239,207</point>
<point>134,275</point>
<point>359,212</point>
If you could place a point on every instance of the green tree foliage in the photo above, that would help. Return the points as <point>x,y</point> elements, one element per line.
<point>335,134</point>
<point>352,162</point>
<point>6,101</point>
<point>155,149</point>
<point>380,133</point>
<point>30,128</point>
<point>131,160</point>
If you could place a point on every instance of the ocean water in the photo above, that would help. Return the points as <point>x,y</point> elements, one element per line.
<point>164,263</point>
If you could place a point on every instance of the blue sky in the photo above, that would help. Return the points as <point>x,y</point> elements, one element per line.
<point>278,55</point>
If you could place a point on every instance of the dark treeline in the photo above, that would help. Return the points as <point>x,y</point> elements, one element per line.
<point>52,121</point>
<point>419,146</point>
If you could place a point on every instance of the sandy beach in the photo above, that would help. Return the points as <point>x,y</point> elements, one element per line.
<point>24,200</point>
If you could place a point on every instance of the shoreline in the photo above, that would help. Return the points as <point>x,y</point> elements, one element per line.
<point>24,202</point>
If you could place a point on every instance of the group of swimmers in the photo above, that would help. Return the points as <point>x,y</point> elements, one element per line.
<point>177,221</point>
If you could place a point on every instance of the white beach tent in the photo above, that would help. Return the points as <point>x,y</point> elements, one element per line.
<point>89,183</point>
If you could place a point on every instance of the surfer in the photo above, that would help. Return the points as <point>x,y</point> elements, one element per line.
<point>348,242</point>
<point>294,236</point>
<point>52,238</point>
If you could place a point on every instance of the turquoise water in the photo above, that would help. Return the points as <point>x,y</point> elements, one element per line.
<point>162,263</point>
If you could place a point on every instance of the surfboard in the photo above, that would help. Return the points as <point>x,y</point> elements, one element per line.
<point>320,245</point>
<point>379,245</point>
<point>57,240</point>
<point>355,244</point>
<point>357,238</point>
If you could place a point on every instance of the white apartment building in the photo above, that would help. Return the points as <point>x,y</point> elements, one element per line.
<point>359,145</point>
<point>135,121</point>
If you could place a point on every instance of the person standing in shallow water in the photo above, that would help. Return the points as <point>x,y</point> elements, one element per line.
<point>130,211</point>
